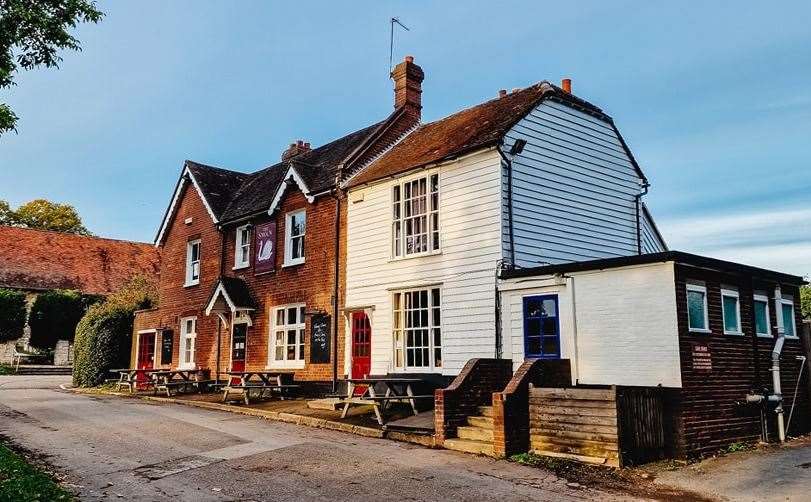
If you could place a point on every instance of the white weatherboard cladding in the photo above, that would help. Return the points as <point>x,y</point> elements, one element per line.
<point>618,326</point>
<point>651,243</point>
<point>470,222</point>
<point>574,189</point>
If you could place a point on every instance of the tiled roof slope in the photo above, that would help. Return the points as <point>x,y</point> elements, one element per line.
<point>217,184</point>
<point>42,260</point>
<point>317,168</point>
<point>477,127</point>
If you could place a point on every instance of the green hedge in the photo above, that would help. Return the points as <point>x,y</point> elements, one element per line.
<point>12,314</point>
<point>104,335</point>
<point>54,316</point>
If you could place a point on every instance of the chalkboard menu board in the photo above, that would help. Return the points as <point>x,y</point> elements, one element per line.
<point>320,338</point>
<point>167,339</point>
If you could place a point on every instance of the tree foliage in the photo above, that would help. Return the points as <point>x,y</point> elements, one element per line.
<point>43,214</point>
<point>805,301</point>
<point>31,34</point>
<point>104,335</point>
<point>54,316</point>
<point>12,314</point>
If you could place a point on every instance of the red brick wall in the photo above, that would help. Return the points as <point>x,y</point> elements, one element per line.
<point>311,283</point>
<point>711,416</point>
<point>176,300</point>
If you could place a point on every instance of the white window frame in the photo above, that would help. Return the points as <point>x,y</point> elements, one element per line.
<point>299,326</point>
<point>288,239</point>
<point>701,289</point>
<point>185,337</point>
<point>731,293</point>
<point>789,300</point>
<point>190,279</point>
<point>759,297</point>
<point>399,332</point>
<point>398,218</point>
<point>242,245</point>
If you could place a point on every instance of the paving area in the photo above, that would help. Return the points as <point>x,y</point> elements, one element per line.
<point>773,473</point>
<point>110,448</point>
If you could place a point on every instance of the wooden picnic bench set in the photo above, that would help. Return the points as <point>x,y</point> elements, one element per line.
<point>362,392</point>
<point>244,385</point>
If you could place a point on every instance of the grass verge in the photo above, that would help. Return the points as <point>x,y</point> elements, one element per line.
<point>21,481</point>
<point>6,369</point>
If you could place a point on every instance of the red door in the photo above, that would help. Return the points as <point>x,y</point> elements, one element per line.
<point>361,345</point>
<point>146,356</point>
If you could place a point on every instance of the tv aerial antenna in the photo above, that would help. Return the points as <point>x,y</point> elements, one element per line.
<point>394,21</point>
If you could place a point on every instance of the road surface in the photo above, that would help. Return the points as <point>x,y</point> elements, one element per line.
<point>113,448</point>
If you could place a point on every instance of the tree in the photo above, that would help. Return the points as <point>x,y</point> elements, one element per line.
<point>12,314</point>
<point>54,316</point>
<point>805,301</point>
<point>31,33</point>
<point>104,335</point>
<point>42,214</point>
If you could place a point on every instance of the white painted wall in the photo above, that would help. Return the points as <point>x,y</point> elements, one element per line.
<point>470,222</point>
<point>618,326</point>
<point>574,189</point>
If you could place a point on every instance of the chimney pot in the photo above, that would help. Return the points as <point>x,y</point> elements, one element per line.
<point>566,85</point>
<point>409,59</point>
<point>502,93</point>
<point>296,148</point>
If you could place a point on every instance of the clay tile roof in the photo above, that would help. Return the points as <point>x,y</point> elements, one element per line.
<point>470,129</point>
<point>237,290</point>
<point>42,260</point>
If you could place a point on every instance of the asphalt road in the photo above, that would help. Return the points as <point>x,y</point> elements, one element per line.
<point>126,449</point>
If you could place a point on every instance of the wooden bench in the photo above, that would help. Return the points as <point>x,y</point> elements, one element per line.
<point>244,390</point>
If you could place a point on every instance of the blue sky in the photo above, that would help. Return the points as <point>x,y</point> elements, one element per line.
<point>713,101</point>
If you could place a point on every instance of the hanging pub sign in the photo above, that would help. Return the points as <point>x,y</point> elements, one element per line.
<point>319,338</point>
<point>264,246</point>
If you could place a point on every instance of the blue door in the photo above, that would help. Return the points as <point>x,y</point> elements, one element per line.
<point>541,327</point>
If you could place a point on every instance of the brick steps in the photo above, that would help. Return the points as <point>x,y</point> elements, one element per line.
<point>486,411</point>
<point>475,433</point>
<point>480,421</point>
<point>43,370</point>
<point>470,446</point>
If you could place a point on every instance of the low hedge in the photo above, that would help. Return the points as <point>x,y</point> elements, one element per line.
<point>104,335</point>
<point>12,314</point>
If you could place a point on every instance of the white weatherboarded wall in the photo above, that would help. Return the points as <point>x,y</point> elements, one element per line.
<point>470,222</point>
<point>618,326</point>
<point>574,189</point>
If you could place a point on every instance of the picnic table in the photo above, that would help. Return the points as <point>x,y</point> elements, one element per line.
<point>128,377</point>
<point>397,389</point>
<point>166,380</point>
<point>243,382</point>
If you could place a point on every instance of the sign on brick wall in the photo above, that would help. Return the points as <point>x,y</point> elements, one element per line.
<point>702,357</point>
<point>265,248</point>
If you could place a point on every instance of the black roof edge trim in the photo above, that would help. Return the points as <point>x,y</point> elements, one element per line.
<point>680,257</point>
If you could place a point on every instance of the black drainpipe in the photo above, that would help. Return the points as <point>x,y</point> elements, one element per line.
<point>637,204</point>
<point>336,270</point>
<point>509,187</point>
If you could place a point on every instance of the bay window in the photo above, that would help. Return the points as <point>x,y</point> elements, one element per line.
<point>415,216</point>
<point>417,329</point>
<point>287,336</point>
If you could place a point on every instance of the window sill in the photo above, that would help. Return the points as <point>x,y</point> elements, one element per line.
<point>240,267</point>
<point>701,330</point>
<point>733,333</point>
<point>292,263</point>
<point>187,367</point>
<point>764,335</point>
<point>191,284</point>
<point>286,365</point>
<point>413,256</point>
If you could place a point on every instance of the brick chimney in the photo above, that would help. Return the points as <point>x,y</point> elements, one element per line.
<point>408,78</point>
<point>294,149</point>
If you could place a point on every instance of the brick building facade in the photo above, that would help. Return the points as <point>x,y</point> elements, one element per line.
<point>210,241</point>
